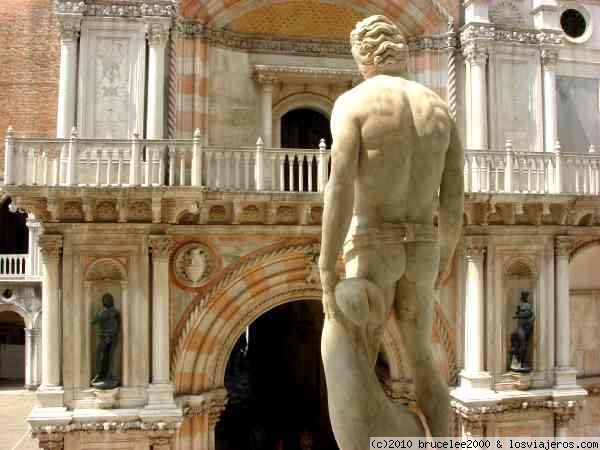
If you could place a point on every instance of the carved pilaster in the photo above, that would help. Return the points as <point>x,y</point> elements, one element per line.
<point>475,249</point>
<point>50,246</point>
<point>161,246</point>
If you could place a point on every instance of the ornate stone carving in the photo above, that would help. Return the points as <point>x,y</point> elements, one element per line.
<point>497,33</point>
<point>157,33</point>
<point>266,74</point>
<point>316,214</point>
<point>549,59</point>
<point>476,54</point>
<point>118,8</point>
<point>210,403</point>
<point>72,211</point>
<point>69,26</point>
<point>475,249</point>
<point>563,245</point>
<point>506,12</point>
<point>286,214</point>
<point>193,264</point>
<point>51,440</point>
<point>106,211</point>
<point>312,275</point>
<point>61,6</point>
<point>217,214</point>
<point>50,245</point>
<point>161,246</point>
<point>140,211</point>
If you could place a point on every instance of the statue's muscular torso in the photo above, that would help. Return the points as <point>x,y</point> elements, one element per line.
<point>400,166</point>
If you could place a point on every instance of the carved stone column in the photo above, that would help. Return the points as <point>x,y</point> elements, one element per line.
<point>30,359</point>
<point>474,375</point>
<point>160,392</point>
<point>549,60</point>
<point>565,376</point>
<point>69,27</point>
<point>476,56</point>
<point>51,393</point>
<point>266,82</point>
<point>33,226</point>
<point>157,33</point>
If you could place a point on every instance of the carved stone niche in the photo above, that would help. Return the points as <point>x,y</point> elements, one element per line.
<point>520,275</point>
<point>193,264</point>
<point>104,275</point>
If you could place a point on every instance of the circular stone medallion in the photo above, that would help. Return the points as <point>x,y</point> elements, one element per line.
<point>193,264</point>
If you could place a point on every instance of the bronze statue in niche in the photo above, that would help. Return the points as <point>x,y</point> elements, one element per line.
<point>520,340</point>
<point>108,322</point>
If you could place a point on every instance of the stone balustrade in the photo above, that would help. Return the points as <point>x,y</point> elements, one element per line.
<point>17,266</point>
<point>189,162</point>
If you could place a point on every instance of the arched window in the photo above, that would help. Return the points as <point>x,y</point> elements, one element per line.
<point>13,230</point>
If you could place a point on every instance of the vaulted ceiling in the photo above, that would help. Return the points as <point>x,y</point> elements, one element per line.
<point>414,17</point>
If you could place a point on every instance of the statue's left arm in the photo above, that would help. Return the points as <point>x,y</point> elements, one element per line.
<point>339,192</point>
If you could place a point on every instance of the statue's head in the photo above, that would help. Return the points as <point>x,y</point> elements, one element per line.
<point>524,296</point>
<point>379,47</point>
<point>108,301</point>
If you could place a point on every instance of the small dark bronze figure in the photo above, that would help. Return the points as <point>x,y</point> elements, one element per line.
<point>108,321</point>
<point>520,340</point>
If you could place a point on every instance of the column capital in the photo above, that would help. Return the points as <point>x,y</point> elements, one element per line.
<point>475,248</point>
<point>563,417</point>
<point>266,80</point>
<point>211,404</point>
<point>50,245</point>
<point>69,26</point>
<point>161,246</point>
<point>549,59</point>
<point>157,32</point>
<point>160,442</point>
<point>476,54</point>
<point>563,245</point>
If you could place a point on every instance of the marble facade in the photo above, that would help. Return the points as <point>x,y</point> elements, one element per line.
<point>192,264</point>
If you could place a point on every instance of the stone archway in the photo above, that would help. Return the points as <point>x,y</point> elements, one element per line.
<point>257,283</point>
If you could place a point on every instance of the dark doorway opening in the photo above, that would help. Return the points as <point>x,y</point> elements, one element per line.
<point>12,348</point>
<point>276,384</point>
<point>303,128</point>
<point>14,234</point>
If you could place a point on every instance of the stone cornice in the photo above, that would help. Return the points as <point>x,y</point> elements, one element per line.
<point>502,34</point>
<point>305,47</point>
<point>113,8</point>
<point>273,73</point>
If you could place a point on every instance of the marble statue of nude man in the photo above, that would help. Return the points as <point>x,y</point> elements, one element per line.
<point>395,153</point>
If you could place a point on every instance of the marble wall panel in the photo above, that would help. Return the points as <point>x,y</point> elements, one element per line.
<point>111,79</point>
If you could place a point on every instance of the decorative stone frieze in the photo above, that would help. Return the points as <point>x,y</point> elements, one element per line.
<point>118,8</point>
<point>266,74</point>
<point>496,33</point>
<point>193,263</point>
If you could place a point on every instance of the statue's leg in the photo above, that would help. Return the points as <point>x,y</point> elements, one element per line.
<point>415,308</point>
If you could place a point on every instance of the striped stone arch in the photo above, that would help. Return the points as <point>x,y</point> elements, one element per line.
<point>249,288</point>
<point>253,286</point>
<point>414,17</point>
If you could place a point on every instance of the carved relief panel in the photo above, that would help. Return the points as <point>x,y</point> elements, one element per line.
<point>111,79</point>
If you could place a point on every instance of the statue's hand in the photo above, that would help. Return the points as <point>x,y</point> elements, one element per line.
<point>329,280</point>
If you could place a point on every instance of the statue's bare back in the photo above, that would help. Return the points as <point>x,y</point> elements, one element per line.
<point>400,167</point>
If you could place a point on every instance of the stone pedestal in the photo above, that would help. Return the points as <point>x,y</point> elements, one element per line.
<point>106,399</point>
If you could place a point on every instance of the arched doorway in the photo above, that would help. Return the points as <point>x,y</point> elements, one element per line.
<point>12,348</point>
<point>303,128</point>
<point>276,384</point>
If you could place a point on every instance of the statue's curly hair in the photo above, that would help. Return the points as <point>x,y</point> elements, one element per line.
<point>376,41</point>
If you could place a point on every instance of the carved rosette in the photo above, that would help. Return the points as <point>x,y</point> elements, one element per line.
<point>563,245</point>
<point>161,246</point>
<point>50,246</point>
<point>193,263</point>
